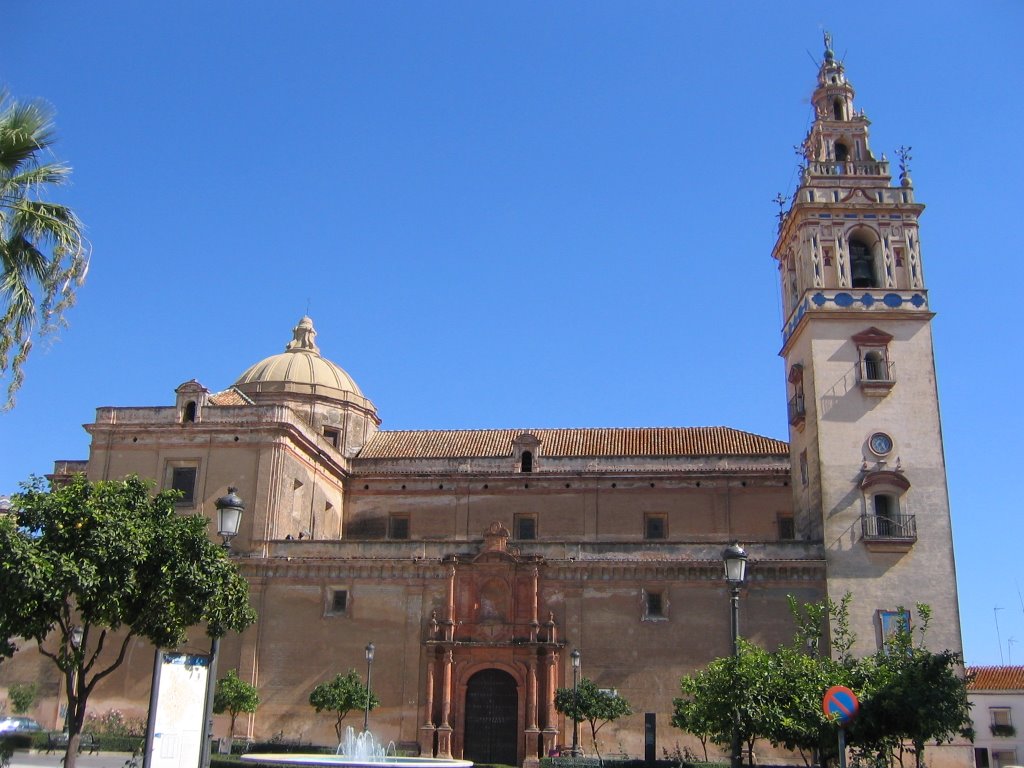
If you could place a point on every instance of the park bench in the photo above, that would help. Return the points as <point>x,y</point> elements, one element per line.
<point>57,741</point>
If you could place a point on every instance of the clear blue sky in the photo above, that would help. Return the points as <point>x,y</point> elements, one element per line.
<point>518,215</point>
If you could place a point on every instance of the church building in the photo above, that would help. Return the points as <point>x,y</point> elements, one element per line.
<point>478,561</point>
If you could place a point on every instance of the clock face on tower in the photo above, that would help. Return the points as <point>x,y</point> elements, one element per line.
<point>880,444</point>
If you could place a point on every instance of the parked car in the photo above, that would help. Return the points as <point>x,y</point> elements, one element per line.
<point>16,724</point>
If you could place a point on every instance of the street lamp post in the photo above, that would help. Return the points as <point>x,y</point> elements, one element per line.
<point>76,637</point>
<point>229,515</point>
<point>575,657</point>
<point>735,559</point>
<point>369,693</point>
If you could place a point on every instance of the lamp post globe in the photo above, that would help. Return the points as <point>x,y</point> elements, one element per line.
<point>229,515</point>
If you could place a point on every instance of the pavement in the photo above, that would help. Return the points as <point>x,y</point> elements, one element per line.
<point>37,759</point>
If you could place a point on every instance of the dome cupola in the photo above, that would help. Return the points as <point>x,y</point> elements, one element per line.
<point>301,370</point>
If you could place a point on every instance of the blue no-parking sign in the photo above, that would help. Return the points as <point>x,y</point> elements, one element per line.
<point>841,703</point>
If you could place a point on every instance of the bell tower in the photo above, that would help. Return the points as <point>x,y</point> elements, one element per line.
<point>869,477</point>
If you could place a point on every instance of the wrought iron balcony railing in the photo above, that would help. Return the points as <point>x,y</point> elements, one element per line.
<point>797,411</point>
<point>903,527</point>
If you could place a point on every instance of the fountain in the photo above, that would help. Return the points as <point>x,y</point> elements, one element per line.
<point>359,751</point>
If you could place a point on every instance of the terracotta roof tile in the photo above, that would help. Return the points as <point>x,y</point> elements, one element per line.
<point>230,396</point>
<point>996,678</point>
<point>628,441</point>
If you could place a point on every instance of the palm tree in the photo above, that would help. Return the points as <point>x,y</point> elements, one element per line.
<point>43,253</point>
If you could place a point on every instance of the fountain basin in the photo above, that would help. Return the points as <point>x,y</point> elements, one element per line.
<point>344,761</point>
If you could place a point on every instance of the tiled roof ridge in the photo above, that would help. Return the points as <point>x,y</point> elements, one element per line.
<point>524,430</point>
<point>1002,677</point>
<point>573,442</point>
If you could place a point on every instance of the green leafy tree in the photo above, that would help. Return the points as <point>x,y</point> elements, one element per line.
<point>910,696</point>
<point>43,254</point>
<point>340,696</point>
<point>595,706</point>
<point>731,690</point>
<point>697,710</point>
<point>22,696</point>
<point>233,695</point>
<point>87,567</point>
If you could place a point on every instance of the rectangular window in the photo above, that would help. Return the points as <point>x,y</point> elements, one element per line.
<point>1004,757</point>
<point>525,527</point>
<point>339,601</point>
<point>332,436</point>
<point>787,528</point>
<point>1000,715</point>
<point>980,757</point>
<point>655,608</point>
<point>398,527</point>
<point>655,527</point>
<point>184,479</point>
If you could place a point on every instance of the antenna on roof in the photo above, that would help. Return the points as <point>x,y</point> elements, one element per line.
<point>995,612</point>
<point>1009,650</point>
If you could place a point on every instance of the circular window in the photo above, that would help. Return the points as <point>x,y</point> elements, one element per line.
<point>880,444</point>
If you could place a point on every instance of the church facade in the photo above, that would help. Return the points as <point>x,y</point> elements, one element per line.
<point>477,561</point>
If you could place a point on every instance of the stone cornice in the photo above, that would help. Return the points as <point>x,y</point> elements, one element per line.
<point>682,571</point>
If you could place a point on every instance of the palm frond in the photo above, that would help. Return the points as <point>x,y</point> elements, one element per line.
<point>44,256</point>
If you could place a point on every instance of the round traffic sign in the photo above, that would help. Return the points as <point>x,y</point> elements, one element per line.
<point>841,703</point>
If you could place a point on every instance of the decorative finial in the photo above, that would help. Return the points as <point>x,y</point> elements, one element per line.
<point>903,153</point>
<point>829,55</point>
<point>303,335</point>
<point>781,200</point>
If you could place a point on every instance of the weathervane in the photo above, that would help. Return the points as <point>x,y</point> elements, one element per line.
<point>903,153</point>
<point>781,200</point>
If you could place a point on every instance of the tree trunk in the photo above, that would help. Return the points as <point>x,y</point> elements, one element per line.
<point>75,716</point>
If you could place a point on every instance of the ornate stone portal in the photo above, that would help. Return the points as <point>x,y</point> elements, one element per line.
<point>492,622</point>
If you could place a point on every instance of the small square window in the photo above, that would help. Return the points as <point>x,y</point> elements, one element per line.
<point>339,601</point>
<point>184,479</point>
<point>655,527</point>
<point>1000,716</point>
<point>525,527</point>
<point>332,436</point>
<point>655,605</point>
<point>398,527</point>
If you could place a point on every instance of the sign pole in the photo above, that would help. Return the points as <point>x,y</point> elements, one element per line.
<point>841,705</point>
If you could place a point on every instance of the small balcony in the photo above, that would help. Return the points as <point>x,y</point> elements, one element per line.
<point>889,534</point>
<point>1004,730</point>
<point>876,377</point>
<point>797,411</point>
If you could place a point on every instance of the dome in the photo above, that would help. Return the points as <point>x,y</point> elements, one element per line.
<point>300,368</point>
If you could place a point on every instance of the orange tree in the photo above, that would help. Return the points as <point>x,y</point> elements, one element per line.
<point>87,567</point>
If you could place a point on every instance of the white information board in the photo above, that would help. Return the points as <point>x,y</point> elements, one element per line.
<point>179,699</point>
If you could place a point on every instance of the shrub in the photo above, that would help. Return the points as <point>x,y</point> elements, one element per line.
<point>22,696</point>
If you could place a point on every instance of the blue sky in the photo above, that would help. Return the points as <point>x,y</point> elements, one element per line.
<point>517,215</point>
